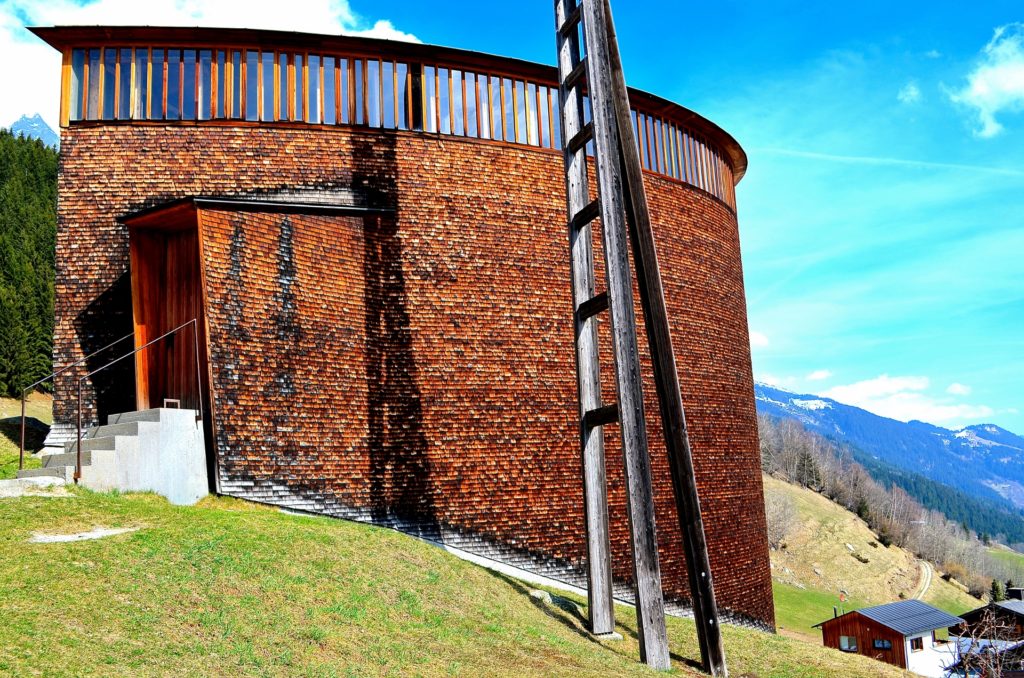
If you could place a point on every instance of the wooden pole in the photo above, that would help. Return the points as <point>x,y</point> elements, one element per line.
<point>666,376</point>
<point>601,605</point>
<point>640,496</point>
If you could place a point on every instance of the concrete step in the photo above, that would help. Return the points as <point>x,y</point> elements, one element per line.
<point>66,473</point>
<point>67,459</point>
<point>101,443</point>
<point>128,428</point>
<point>141,415</point>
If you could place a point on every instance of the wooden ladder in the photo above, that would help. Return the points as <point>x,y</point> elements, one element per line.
<point>588,55</point>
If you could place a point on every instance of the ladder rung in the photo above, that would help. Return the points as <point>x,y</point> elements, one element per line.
<point>593,306</point>
<point>575,75</point>
<point>581,138</point>
<point>591,211</point>
<point>602,416</point>
<point>571,21</point>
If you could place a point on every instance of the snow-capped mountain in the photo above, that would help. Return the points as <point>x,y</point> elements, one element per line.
<point>983,460</point>
<point>35,128</point>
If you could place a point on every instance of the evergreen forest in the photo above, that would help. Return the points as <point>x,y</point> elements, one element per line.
<point>28,227</point>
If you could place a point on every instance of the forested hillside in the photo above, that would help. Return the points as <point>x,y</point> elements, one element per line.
<point>28,227</point>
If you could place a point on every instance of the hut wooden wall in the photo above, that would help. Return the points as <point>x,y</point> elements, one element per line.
<point>865,631</point>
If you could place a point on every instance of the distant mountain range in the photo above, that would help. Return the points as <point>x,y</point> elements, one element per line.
<point>35,128</point>
<point>984,461</point>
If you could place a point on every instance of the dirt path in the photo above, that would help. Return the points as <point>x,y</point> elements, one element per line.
<point>926,578</point>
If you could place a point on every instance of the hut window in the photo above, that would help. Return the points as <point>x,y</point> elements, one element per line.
<point>848,643</point>
<point>916,644</point>
<point>883,644</point>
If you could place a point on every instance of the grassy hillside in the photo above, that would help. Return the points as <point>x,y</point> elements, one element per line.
<point>38,406</point>
<point>228,588</point>
<point>818,565</point>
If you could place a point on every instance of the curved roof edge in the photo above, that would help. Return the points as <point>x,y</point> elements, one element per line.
<point>62,37</point>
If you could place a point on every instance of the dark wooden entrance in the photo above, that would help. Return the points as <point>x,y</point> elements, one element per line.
<point>167,293</point>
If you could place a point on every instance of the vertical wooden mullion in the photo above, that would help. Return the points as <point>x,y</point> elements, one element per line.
<point>149,83</point>
<point>408,97</point>
<point>476,98</point>
<point>85,86</point>
<point>99,97</point>
<point>305,86</point>
<point>116,113</point>
<point>437,98</point>
<point>540,118</point>
<point>132,87</point>
<point>395,92</point>
<point>65,88</point>
<point>366,92</point>
<point>465,108</point>
<point>515,109</point>
<point>451,101</point>
<point>490,105</point>
<point>164,68</point>
<point>181,85</point>
<point>243,69</point>
<point>337,90</point>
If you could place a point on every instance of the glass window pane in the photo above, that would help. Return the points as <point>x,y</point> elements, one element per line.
<point>173,84</point>
<point>495,97</point>
<point>443,83</point>
<point>188,85</point>
<point>236,84</point>
<point>531,114</point>
<point>77,77</point>
<point>373,93</point>
<point>124,85</point>
<point>458,107</point>
<point>471,108</point>
<point>267,73</point>
<point>252,82</point>
<point>346,98</point>
<point>402,96</point>
<point>387,103</point>
<point>93,102</point>
<point>545,117</point>
<point>140,96</point>
<point>509,112</point>
<point>330,92</point>
<point>586,119</point>
<point>205,83</point>
<point>222,84</point>
<point>282,87</point>
<point>109,82</point>
<point>313,89</point>
<point>156,96</point>
<point>557,120</point>
<point>484,106</point>
<point>359,102</point>
<point>430,94</point>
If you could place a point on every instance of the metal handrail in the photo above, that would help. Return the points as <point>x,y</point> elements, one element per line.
<point>199,383</point>
<point>24,391</point>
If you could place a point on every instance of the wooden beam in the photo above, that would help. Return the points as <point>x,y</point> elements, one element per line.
<point>650,605</point>
<point>65,87</point>
<point>666,376</point>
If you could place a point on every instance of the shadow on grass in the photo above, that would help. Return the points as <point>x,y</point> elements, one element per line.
<point>571,615</point>
<point>35,432</point>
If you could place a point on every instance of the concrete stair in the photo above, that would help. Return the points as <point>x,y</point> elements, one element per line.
<point>160,450</point>
<point>119,434</point>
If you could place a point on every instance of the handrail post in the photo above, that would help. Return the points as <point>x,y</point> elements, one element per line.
<point>199,378</point>
<point>21,451</point>
<point>78,444</point>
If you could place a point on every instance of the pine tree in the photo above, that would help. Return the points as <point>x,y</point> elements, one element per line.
<point>997,592</point>
<point>28,226</point>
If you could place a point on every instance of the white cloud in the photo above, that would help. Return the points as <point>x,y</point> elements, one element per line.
<point>758,340</point>
<point>904,398</point>
<point>819,375</point>
<point>996,85</point>
<point>933,54</point>
<point>769,379</point>
<point>958,389</point>
<point>909,93</point>
<point>32,68</point>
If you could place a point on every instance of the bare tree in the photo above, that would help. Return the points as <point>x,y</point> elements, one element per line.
<point>980,647</point>
<point>780,515</point>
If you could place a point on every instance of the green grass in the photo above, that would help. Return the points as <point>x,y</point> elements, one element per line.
<point>227,588</point>
<point>1007,556</point>
<point>798,610</point>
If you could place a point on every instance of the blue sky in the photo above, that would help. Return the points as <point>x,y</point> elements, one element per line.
<point>882,217</point>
